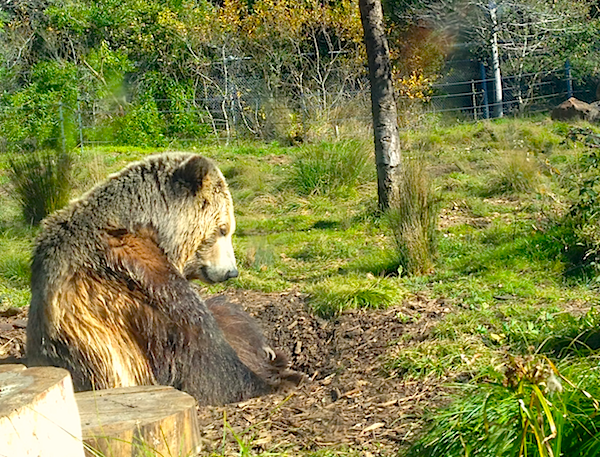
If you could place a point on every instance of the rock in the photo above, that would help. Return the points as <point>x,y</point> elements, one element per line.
<point>575,109</point>
<point>38,413</point>
<point>139,421</point>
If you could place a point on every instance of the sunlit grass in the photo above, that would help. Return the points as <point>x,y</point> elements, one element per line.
<point>500,270</point>
<point>538,409</point>
<point>333,295</point>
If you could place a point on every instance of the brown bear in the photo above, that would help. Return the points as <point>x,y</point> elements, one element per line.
<point>112,300</point>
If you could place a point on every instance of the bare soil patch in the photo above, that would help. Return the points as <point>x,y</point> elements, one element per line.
<point>13,322</point>
<point>348,401</point>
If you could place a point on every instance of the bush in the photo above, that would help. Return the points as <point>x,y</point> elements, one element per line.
<point>41,181</point>
<point>41,114</point>
<point>413,220</point>
<point>176,102</point>
<point>579,229</point>
<point>331,167</point>
<point>141,126</point>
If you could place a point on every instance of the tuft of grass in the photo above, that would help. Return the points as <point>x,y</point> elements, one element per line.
<point>413,220</point>
<point>514,172</point>
<point>537,410</point>
<point>331,168</point>
<point>331,296</point>
<point>41,182</point>
<point>443,359</point>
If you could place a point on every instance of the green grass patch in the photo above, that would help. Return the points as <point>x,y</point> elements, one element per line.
<point>444,359</point>
<point>331,168</point>
<point>537,410</point>
<point>333,295</point>
<point>14,262</point>
<point>505,267</point>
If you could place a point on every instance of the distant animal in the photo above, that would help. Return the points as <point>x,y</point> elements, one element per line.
<point>112,300</point>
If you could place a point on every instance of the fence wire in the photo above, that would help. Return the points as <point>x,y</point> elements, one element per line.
<point>236,104</point>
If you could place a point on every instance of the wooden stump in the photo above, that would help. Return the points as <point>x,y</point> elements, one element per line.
<point>139,421</point>
<point>38,413</point>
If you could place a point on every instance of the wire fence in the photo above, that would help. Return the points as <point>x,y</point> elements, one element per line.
<point>527,93</point>
<point>234,106</point>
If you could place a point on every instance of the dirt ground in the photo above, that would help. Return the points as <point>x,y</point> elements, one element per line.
<point>347,402</point>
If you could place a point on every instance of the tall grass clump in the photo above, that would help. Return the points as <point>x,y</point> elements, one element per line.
<point>536,411</point>
<point>413,220</point>
<point>514,172</point>
<point>41,182</point>
<point>331,167</point>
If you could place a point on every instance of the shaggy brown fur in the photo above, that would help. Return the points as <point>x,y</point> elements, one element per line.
<point>247,340</point>
<point>111,297</point>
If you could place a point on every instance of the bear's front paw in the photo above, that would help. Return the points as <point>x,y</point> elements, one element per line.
<point>270,353</point>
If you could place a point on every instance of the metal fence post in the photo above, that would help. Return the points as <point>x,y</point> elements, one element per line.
<point>569,79</point>
<point>486,105</point>
<point>474,99</point>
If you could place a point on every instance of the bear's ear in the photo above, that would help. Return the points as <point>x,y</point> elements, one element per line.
<point>191,173</point>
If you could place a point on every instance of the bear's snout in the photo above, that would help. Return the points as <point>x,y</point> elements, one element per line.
<point>213,274</point>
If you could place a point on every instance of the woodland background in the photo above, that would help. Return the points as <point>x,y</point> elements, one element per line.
<point>160,72</point>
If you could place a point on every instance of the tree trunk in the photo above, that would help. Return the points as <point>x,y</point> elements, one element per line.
<point>385,122</point>
<point>496,60</point>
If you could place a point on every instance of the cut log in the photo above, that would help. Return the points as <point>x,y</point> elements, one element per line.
<point>38,413</point>
<point>139,421</point>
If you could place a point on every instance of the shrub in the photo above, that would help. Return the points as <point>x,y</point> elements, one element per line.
<point>141,126</point>
<point>413,220</point>
<point>176,102</point>
<point>41,114</point>
<point>41,181</point>
<point>331,167</point>
<point>579,228</point>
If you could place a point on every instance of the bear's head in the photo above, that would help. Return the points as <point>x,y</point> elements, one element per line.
<point>207,253</point>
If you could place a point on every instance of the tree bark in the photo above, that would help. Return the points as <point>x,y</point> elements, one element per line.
<point>385,123</point>
<point>496,59</point>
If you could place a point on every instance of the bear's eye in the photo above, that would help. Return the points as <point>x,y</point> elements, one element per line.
<point>223,230</point>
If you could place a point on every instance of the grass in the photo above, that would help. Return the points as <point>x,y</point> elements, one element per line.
<point>41,182</point>
<point>307,221</point>
<point>331,167</point>
<point>331,296</point>
<point>413,220</point>
<point>536,410</point>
